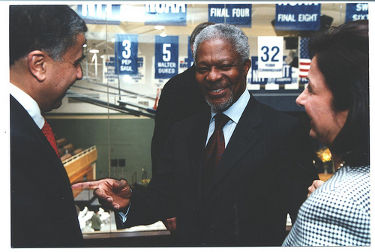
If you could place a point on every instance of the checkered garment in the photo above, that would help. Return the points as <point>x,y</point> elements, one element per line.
<point>337,213</point>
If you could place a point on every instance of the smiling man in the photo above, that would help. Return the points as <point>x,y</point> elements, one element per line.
<point>46,48</point>
<point>220,71</point>
<point>230,174</point>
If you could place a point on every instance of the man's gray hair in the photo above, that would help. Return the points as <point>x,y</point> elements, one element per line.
<point>227,32</point>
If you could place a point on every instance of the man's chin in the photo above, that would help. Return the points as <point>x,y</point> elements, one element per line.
<point>220,106</point>
<point>321,138</point>
<point>55,106</point>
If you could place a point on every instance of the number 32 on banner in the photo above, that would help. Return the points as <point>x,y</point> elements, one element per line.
<point>270,54</point>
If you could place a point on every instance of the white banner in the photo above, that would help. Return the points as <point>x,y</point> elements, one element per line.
<point>270,56</point>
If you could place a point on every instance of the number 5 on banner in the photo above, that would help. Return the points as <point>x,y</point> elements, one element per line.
<point>166,52</point>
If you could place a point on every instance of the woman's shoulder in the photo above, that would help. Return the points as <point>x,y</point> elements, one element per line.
<point>348,186</point>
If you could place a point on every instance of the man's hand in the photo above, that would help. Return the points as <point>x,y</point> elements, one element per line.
<point>315,185</point>
<point>170,224</point>
<point>111,193</point>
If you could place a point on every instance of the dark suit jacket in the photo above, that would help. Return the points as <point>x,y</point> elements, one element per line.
<point>179,99</point>
<point>263,175</point>
<point>42,207</point>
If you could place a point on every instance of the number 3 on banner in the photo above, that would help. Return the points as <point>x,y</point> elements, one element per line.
<point>127,52</point>
<point>266,53</point>
<point>166,52</point>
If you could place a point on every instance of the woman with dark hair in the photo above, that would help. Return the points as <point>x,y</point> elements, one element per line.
<point>336,100</point>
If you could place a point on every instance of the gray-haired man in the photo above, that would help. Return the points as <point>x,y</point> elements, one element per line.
<point>263,173</point>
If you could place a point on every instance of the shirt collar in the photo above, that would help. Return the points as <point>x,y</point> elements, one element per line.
<point>28,103</point>
<point>235,111</point>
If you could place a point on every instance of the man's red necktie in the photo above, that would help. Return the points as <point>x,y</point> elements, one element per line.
<point>47,131</point>
<point>215,147</point>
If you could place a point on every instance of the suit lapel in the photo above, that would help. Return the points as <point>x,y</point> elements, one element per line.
<point>21,116</point>
<point>26,119</point>
<point>196,145</point>
<point>244,137</point>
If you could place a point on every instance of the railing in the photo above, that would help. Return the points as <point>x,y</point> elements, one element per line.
<point>81,165</point>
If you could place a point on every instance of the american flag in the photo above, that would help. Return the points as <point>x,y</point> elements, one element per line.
<point>304,58</point>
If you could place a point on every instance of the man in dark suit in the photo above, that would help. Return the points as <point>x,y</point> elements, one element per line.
<point>46,47</point>
<point>261,176</point>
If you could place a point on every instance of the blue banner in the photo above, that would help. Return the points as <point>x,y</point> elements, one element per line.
<point>166,56</point>
<point>138,77</point>
<point>110,75</point>
<point>287,74</point>
<point>236,14</point>
<point>165,14</point>
<point>297,17</point>
<point>254,72</point>
<point>140,62</point>
<point>190,60</point>
<point>287,77</point>
<point>100,13</point>
<point>184,64</point>
<point>126,51</point>
<point>356,11</point>
<point>110,62</point>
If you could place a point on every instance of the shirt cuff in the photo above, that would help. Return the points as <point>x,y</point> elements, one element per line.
<point>124,214</point>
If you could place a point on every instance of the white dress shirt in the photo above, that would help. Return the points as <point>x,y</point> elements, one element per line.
<point>28,103</point>
<point>234,112</point>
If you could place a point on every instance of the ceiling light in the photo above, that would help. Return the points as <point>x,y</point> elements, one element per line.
<point>159,27</point>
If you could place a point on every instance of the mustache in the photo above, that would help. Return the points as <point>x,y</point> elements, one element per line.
<point>218,85</point>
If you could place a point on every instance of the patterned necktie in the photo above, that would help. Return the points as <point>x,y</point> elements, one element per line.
<point>215,147</point>
<point>47,131</point>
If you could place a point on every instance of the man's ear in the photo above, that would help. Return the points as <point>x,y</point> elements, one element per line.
<point>247,65</point>
<point>36,62</point>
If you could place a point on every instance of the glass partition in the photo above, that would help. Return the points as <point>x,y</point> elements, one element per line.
<point>105,125</point>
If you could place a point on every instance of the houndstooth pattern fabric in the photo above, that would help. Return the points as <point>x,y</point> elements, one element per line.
<point>337,213</point>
